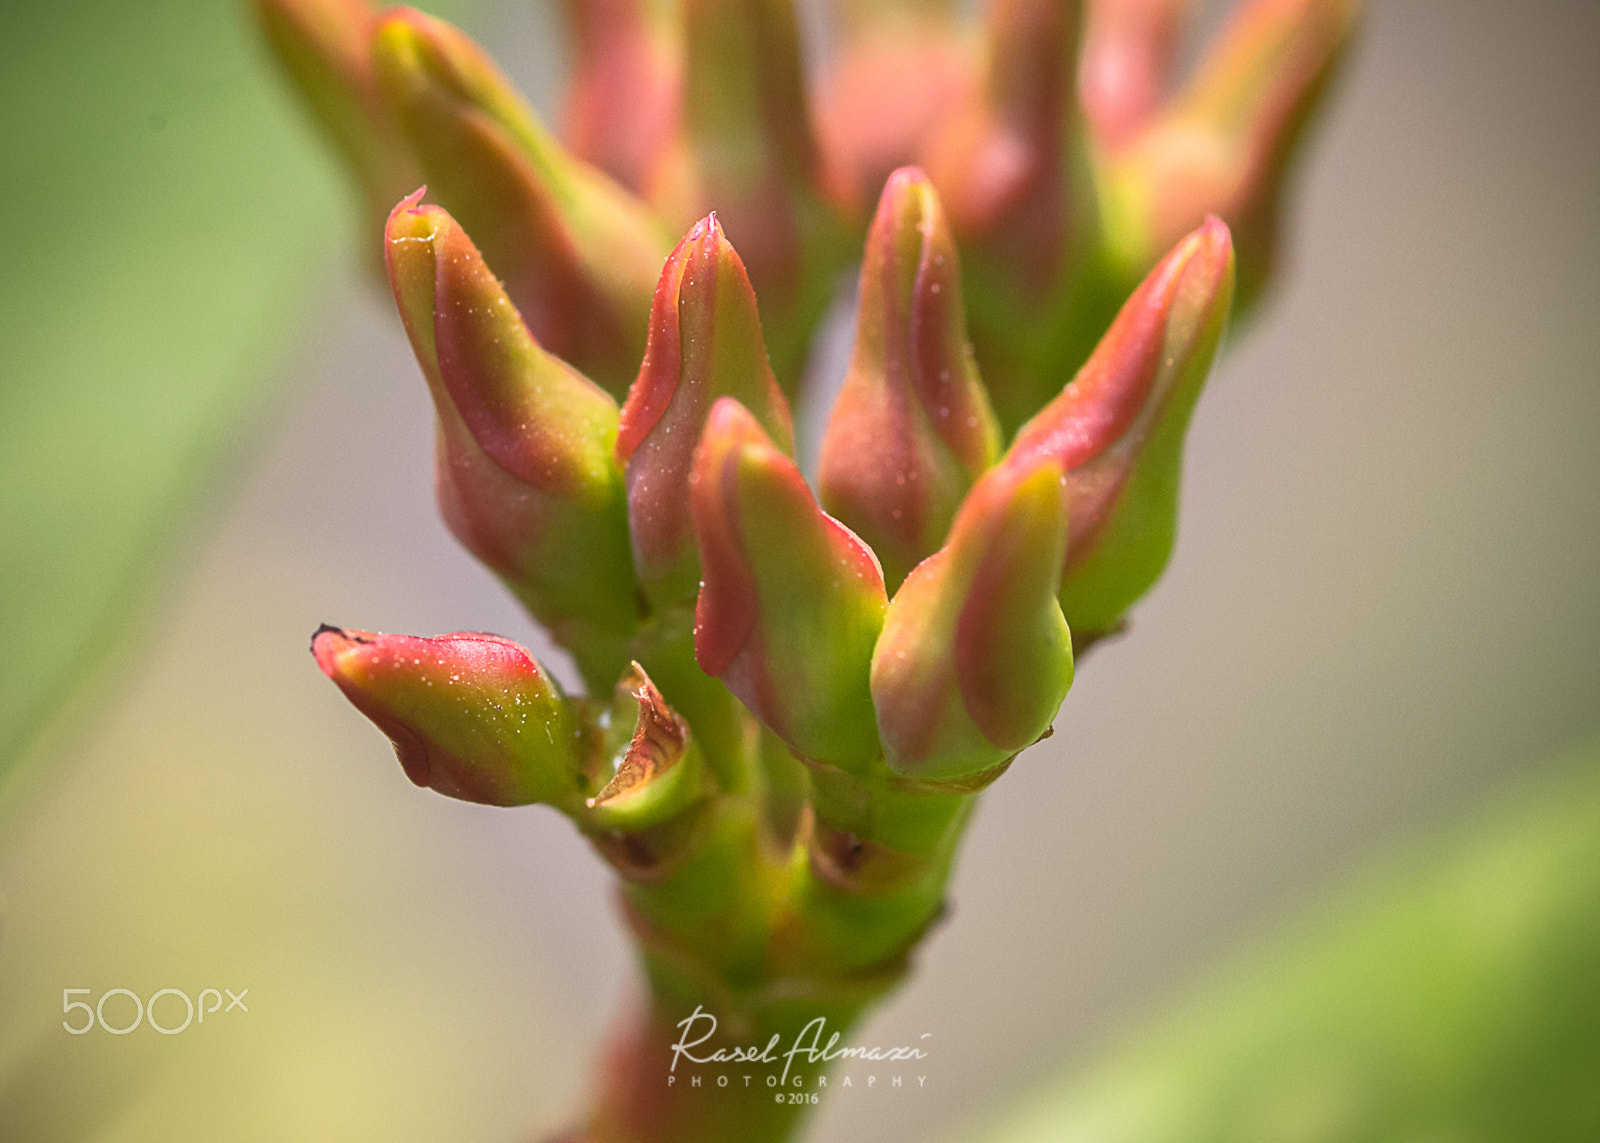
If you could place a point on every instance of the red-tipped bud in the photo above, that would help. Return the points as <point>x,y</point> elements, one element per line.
<point>792,601</point>
<point>747,150</point>
<point>322,46</point>
<point>1118,428</point>
<point>528,478</point>
<point>912,428</point>
<point>652,774</point>
<point>1126,64</point>
<point>705,343</point>
<point>625,93</point>
<point>975,657</point>
<point>1223,145</point>
<point>471,715</point>
<point>578,254</point>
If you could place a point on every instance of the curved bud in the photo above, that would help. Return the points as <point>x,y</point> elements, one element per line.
<point>473,716</point>
<point>625,93</point>
<point>1118,428</point>
<point>747,150</point>
<point>578,254</point>
<point>975,657</point>
<point>1129,47</point>
<point>898,72</point>
<point>705,343</point>
<point>658,773</point>
<point>322,45</point>
<point>1223,145</point>
<point>527,475</point>
<point>912,428</point>
<point>792,601</point>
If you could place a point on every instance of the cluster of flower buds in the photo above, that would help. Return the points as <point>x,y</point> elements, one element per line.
<point>1067,152</point>
<point>834,674</point>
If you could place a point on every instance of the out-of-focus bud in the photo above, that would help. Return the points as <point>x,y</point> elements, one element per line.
<point>625,93</point>
<point>322,45</point>
<point>999,163</point>
<point>1117,429</point>
<point>912,428</point>
<point>748,151</point>
<point>578,254</point>
<point>1126,64</point>
<point>900,68</point>
<point>792,601</point>
<point>527,473</point>
<point>1223,145</point>
<point>473,716</point>
<point>653,774</point>
<point>975,656</point>
<point>705,343</point>
<point>1008,177</point>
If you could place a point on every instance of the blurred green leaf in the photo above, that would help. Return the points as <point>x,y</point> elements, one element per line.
<point>1453,993</point>
<point>167,203</point>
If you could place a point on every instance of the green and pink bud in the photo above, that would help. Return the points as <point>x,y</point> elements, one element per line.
<point>1125,68</point>
<point>747,149</point>
<point>473,716</point>
<point>1000,163</point>
<point>1223,144</point>
<point>578,254</point>
<point>322,45</point>
<point>705,343</point>
<point>912,428</point>
<point>1117,429</point>
<point>975,657</point>
<point>527,473</point>
<point>898,70</point>
<point>625,93</point>
<point>792,601</point>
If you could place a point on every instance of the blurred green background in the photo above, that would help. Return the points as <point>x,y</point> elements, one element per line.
<point>1382,611</point>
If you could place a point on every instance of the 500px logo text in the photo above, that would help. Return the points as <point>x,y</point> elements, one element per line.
<point>144,1012</point>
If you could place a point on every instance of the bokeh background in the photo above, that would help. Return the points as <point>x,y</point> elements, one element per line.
<point>1383,606</point>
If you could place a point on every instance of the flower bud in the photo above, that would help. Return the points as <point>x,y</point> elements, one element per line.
<point>322,46</point>
<point>1117,429</point>
<point>654,774</point>
<point>527,474</point>
<point>791,602</point>
<point>1007,178</point>
<point>912,428</point>
<point>578,253</point>
<point>705,343</point>
<point>999,163</point>
<point>473,716</point>
<point>901,69</point>
<point>975,656</point>
<point>1224,143</point>
<point>1126,64</point>
<point>625,93</point>
<point>747,150</point>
